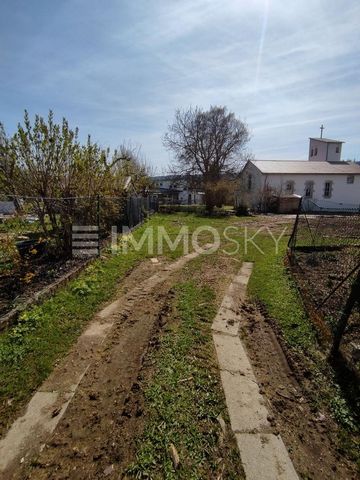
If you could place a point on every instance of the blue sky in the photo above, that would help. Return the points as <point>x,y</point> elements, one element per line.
<point>119,69</point>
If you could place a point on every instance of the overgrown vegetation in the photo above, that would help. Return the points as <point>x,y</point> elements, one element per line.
<point>45,168</point>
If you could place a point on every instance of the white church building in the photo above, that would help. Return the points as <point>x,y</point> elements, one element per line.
<point>323,182</point>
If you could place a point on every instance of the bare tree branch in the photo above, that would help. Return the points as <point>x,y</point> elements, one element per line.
<point>208,144</point>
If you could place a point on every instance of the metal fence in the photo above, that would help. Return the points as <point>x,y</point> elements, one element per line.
<point>78,222</point>
<point>324,252</point>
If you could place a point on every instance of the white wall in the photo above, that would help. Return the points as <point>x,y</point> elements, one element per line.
<point>196,198</point>
<point>325,151</point>
<point>343,195</point>
<point>245,197</point>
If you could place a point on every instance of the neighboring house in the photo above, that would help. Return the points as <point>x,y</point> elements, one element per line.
<point>324,181</point>
<point>173,189</point>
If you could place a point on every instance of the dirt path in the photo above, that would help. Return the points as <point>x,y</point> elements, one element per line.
<point>310,435</point>
<point>98,375</point>
<point>101,376</point>
<point>101,407</point>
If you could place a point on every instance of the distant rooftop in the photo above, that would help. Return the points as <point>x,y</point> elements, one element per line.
<point>306,167</point>
<point>326,140</point>
<point>165,177</point>
<point>7,208</point>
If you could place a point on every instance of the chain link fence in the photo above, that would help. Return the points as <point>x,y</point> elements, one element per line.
<point>324,252</point>
<point>41,239</point>
<point>53,220</point>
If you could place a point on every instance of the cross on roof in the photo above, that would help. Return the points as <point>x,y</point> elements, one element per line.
<point>321,130</point>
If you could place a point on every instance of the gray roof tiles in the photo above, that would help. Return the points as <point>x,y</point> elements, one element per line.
<point>306,167</point>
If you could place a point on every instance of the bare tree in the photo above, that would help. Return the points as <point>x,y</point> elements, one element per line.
<point>208,144</point>
<point>129,162</point>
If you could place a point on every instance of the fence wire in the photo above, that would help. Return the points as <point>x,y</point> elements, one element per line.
<point>35,219</point>
<point>324,253</point>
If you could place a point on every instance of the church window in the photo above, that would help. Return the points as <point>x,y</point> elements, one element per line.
<point>309,189</point>
<point>289,187</point>
<point>327,189</point>
<point>350,179</point>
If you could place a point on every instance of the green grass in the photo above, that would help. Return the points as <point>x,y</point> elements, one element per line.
<point>272,284</point>
<point>18,226</point>
<point>29,350</point>
<point>45,333</point>
<point>184,398</point>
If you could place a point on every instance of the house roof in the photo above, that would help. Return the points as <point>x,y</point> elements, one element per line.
<point>305,167</point>
<point>326,140</point>
<point>7,208</point>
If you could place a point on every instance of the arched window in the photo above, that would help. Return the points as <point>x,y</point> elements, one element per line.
<point>309,189</point>
<point>328,189</point>
<point>289,187</point>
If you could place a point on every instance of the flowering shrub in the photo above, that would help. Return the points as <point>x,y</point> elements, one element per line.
<point>9,256</point>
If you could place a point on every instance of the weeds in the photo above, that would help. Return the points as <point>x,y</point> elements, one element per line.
<point>184,398</point>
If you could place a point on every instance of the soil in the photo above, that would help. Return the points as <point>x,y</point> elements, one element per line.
<point>324,283</point>
<point>31,277</point>
<point>108,405</point>
<point>311,436</point>
<point>275,222</point>
<point>95,437</point>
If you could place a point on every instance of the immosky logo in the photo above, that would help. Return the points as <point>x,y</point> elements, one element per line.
<point>155,239</point>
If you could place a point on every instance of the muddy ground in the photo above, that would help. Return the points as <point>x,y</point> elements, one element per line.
<point>311,436</point>
<point>106,415</point>
<point>98,431</point>
<point>324,281</point>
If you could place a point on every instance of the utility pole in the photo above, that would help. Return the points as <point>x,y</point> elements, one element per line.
<point>321,130</point>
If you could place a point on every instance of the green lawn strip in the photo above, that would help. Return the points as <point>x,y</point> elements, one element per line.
<point>272,284</point>
<point>184,398</point>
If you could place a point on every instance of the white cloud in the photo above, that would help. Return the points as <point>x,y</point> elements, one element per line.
<point>284,67</point>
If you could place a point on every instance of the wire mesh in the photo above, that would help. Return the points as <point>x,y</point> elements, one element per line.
<point>53,219</point>
<point>325,258</point>
<point>41,239</point>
